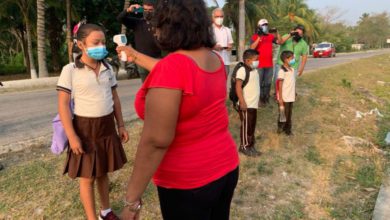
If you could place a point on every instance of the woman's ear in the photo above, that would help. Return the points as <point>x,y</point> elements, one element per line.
<point>80,45</point>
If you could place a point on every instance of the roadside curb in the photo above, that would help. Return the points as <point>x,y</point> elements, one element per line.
<point>382,208</point>
<point>29,83</point>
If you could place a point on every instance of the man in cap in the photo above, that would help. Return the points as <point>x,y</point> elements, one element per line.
<point>223,38</point>
<point>263,41</point>
<point>294,42</point>
<point>144,39</point>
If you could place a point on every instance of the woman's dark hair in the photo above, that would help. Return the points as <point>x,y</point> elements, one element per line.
<point>249,53</point>
<point>86,29</point>
<point>286,54</point>
<point>183,24</point>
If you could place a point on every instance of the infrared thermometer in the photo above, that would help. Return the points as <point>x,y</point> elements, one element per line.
<point>121,40</point>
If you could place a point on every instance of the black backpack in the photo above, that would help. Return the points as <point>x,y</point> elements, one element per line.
<point>232,92</point>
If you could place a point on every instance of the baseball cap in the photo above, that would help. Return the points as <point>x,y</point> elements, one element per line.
<point>262,21</point>
<point>301,27</point>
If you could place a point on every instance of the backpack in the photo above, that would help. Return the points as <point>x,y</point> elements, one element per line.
<point>232,92</point>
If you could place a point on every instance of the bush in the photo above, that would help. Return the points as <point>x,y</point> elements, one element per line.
<point>11,69</point>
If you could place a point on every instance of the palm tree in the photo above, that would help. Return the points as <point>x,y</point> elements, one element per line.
<point>298,12</point>
<point>68,30</point>
<point>24,7</point>
<point>41,39</point>
<point>241,29</point>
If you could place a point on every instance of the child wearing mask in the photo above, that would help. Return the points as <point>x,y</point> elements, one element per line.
<point>285,92</point>
<point>94,145</point>
<point>248,100</point>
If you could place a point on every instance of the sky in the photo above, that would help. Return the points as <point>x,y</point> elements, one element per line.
<point>351,10</point>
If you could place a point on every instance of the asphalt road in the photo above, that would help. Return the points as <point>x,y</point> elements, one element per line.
<point>28,115</point>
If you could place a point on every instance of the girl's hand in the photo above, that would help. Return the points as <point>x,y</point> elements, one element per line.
<point>131,53</point>
<point>75,145</point>
<point>243,106</point>
<point>123,134</point>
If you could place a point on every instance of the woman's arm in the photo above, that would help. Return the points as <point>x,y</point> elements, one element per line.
<point>140,59</point>
<point>66,120</point>
<point>161,115</point>
<point>119,117</point>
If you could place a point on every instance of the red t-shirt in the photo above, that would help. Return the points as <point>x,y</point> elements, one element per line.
<point>203,149</point>
<point>265,49</point>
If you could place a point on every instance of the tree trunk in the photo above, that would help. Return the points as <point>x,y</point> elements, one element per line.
<point>41,39</point>
<point>33,71</point>
<point>241,29</point>
<point>54,29</point>
<point>69,30</point>
<point>125,6</point>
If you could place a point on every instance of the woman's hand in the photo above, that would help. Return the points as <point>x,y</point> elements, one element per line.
<point>123,134</point>
<point>75,145</point>
<point>129,215</point>
<point>131,53</point>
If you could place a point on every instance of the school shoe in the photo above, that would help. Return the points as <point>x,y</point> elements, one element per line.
<point>248,151</point>
<point>254,152</point>
<point>109,216</point>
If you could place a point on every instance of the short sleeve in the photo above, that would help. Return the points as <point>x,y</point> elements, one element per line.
<point>175,71</point>
<point>254,38</point>
<point>281,74</point>
<point>114,81</point>
<point>65,80</point>
<point>229,35</point>
<point>241,73</point>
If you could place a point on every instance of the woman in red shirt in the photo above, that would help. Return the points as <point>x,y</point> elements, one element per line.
<point>185,143</point>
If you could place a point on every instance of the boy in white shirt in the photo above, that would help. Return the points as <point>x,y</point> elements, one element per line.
<point>285,91</point>
<point>248,100</point>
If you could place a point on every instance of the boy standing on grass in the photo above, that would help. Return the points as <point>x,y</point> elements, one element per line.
<point>285,92</point>
<point>248,100</point>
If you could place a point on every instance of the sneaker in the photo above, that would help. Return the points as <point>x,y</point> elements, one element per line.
<point>249,151</point>
<point>109,216</point>
<point>254,152</point>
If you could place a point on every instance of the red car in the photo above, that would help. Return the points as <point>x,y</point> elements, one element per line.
<point>324,49</point>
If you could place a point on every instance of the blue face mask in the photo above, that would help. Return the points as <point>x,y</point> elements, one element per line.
<point>292,62</point>
<point>264,28</point>
<point>97,53</point>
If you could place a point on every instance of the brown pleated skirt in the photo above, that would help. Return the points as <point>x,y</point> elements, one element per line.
<point>103,150</point>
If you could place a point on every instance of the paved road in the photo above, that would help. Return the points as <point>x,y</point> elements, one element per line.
<point>27,115</point>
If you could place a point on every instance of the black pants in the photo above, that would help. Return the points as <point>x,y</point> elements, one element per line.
<point>265,76</point>
<point>286,126</point>
<point>248,126</point>
<point>209,202</point>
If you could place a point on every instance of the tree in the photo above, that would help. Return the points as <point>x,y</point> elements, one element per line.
<point>24,7</point>
<point>241,29</point>
<point>68,30</point>
<point>41,39</point>
<point>373,30</point>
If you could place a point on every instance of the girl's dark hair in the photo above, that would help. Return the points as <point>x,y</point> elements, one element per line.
<point>86,29</point>
<point>286,54</point>
<point>183,24</point>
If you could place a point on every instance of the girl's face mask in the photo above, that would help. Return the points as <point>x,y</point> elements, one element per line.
<point>97,53</point>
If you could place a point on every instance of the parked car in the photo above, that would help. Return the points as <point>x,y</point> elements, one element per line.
<point>324,49</point>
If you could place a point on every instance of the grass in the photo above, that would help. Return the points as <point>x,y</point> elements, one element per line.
<point>312,175</point>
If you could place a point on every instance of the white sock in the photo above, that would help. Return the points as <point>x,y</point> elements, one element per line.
<point>105,212</point>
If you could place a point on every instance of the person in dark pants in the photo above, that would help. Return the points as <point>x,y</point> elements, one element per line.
<point>248,100</point>
<point>143,31</point>
<point>285,89</point>
<point>185,145</point>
